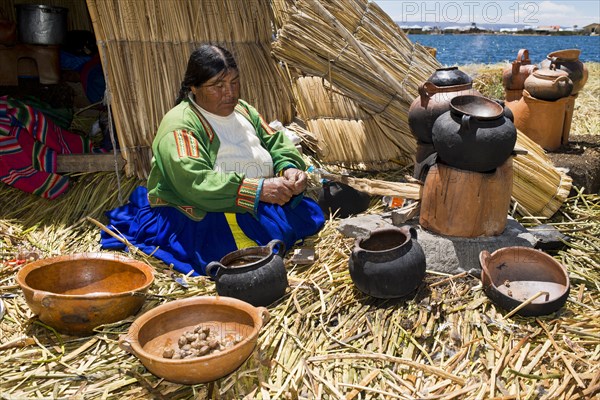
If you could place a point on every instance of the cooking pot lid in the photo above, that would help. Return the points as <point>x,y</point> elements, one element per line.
<point>548,72</point>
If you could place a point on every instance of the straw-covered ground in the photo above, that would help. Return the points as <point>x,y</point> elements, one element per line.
<point>324,339</point>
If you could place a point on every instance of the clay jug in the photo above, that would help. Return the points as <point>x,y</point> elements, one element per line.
<point>255,275</point>
<point>513,77</point>
<point>388,263</point>
<point>549,84</point>
<point>542,121</point>
<point>475,135</point>
<point>568,61</point>
<point>434,100</point>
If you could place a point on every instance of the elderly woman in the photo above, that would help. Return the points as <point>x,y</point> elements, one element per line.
<point>221,178</point>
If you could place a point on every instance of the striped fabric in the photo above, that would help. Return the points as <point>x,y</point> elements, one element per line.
<point>29,144</point>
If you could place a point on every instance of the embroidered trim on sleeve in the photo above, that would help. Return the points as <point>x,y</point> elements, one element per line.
<point>247,194</point>
<point>187,145</point>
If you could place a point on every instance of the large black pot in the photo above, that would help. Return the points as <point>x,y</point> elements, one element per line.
<point>388,263</point>
<point>475,135</point>
<point>255,275</point>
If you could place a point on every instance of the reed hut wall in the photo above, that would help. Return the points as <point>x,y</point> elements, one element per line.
<point>356,47</point>
<point>144,46</point>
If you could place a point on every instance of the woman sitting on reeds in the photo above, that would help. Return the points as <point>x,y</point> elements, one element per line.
<point>221,178</point>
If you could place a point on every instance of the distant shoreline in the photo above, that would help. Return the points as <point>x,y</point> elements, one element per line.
<point>518,33</point>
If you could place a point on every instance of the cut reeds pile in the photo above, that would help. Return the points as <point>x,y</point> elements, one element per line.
<point>348,136</point>
<point>325,339</point>
<point>358,49</point>
<point>144,47</point>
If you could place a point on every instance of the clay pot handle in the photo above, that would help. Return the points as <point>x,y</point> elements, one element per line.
<point>427,89</point>
<point>265,316</point>
<point>276,243</point>
<point>211,266</point>
<point>125,345</point>
<point>42,298</point>
<point>560,79</point>
<point>413,233</point>
<point>523,56</point>
<point>465,121</point>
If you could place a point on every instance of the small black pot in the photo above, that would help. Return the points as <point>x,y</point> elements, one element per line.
<point>388,263</point>
<point>255,275</point>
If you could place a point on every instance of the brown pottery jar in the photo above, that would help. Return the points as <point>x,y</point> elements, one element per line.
<point>514,76</point>
<point>388,263</point>
<point>549,84</point>
<point>434,100</point>
<point>475,135</point>
<point>568,61</point>
<point>255,275</point>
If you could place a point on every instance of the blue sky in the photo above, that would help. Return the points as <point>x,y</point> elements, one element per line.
<point>564,13</point>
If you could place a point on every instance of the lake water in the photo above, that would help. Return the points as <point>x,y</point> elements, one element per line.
<point>490,49</point>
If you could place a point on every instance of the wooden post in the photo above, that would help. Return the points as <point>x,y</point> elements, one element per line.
<point>463,203</point>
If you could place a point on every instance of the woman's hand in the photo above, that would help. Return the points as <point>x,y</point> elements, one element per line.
<point>276,191</point>
<point>296,178</point>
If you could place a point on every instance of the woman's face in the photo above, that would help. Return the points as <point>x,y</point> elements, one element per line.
<point>220,94</point>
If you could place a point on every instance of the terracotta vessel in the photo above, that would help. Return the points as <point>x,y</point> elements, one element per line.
<point>512,275</point>
<point>542,121</point>
<point>255,274</point>
<point>475,135</point>
<point>76,293</point>
<point>162,326</point>
<point>568,60</point>
<point>434,100</point>
<point>462,203</point>
<point>513,77</point>
<point>549,84</point>
<point>388,263</point>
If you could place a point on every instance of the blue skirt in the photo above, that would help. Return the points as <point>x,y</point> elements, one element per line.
<point>189,245</point>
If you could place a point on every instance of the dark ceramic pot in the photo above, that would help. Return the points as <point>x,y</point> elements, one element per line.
<point>568,61</point>
<point>549,84</point>
<point>341,200</point>
<point>255,275</point>
<point>434,100</point>
<point>388,263</point>
<point>475,135</point>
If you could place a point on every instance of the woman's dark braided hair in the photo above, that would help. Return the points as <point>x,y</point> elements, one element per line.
<point>205,62</point>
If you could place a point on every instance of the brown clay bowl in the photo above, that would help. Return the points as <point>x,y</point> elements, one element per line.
<point>513,275</point>
<point>162,326</point>
<point>76,293</point>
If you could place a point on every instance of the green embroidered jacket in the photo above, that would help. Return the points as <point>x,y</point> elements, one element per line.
<point>184,152</point>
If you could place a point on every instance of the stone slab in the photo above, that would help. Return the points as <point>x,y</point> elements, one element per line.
<point>446,254</point>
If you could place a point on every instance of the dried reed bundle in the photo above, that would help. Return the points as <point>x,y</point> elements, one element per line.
<point>539,188</point>
<point>348,136</point>
<point>361,51</point>
<point>378,187</point>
